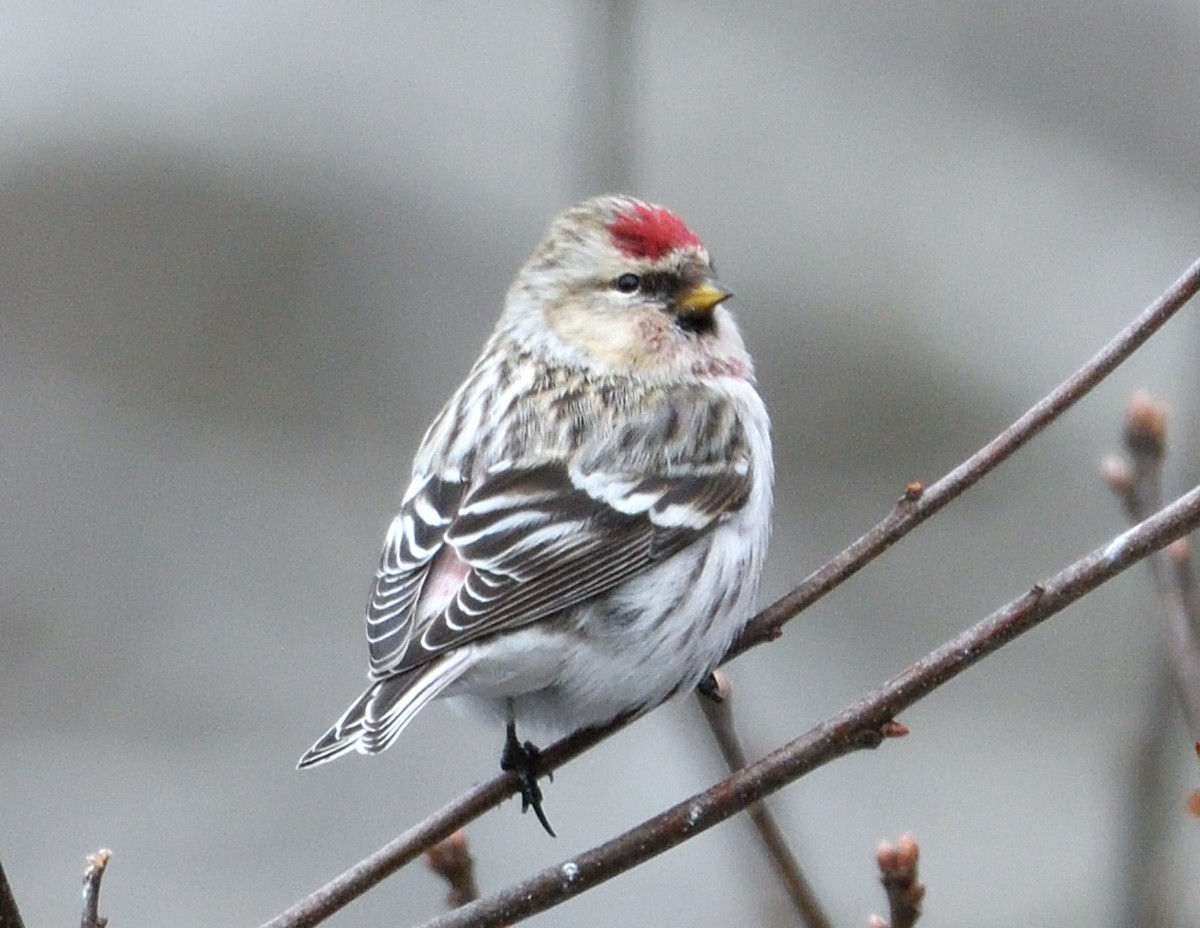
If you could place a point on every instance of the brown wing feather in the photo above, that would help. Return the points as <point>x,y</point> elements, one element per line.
<point>537,544</point>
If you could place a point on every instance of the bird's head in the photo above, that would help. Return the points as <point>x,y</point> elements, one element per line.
<point>623,286</point>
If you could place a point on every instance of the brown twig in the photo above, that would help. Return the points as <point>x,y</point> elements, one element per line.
<point>1147,819</point>
<point>718,712</point>
<point>406,847</point>
<point>919,503</point>
<point>92,875</point>
<point>1183,648</point>
<point>898,873</point>
<point>916,505</point>
<point>856,727</point>
<point>1138,484</point>
<point>10,915</point>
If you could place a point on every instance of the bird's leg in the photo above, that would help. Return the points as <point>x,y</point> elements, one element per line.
<point>523,758</point>
<point>709,689</point>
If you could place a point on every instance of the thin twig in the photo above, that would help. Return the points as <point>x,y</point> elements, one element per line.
<point>718,712</point>
<point>1149,751</point>
<point>1183,649</point>
<point>856,727</point>
<point>905,892</point>
<point>10,915</point>
<point>1139,486</point>
<point>1137,482</point>
<point>96,864</point>
<point>352,883</point>
<point>917,505</point>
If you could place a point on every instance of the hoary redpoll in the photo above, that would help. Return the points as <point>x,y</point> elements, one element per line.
<point>588,515</point>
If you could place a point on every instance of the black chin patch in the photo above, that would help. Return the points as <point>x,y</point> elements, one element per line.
<point>701,323</point>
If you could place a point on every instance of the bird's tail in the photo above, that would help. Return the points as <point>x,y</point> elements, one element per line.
<point>378,716</point>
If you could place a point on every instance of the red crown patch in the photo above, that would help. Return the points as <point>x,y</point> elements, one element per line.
<point>650,232</point>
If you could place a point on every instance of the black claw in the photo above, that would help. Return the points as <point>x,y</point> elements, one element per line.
<point>523,758</point>
<point>709,690</point>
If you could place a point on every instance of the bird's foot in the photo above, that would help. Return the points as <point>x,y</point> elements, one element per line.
<point>523,759</point>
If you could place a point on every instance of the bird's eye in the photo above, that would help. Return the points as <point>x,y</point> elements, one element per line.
<point>628,283</point>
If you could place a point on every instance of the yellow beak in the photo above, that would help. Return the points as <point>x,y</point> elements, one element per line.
<point>702,297</point>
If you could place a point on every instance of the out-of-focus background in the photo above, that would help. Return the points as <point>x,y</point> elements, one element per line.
<point>246,250</point>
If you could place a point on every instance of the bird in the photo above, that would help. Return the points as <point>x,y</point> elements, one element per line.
<point>586,523</point>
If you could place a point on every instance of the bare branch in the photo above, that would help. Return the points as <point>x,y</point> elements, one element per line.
<point>858,726</point>
<point>96,864</point>
<point>1137,482</point>
<point>1183,649</point>
<point>914,507</point>
<point>1149,753</point>
<point>10,915</point>
<point>718,712</point>
<point>898,873</point>
<point>1139,486</point>
<point>406,847</point>
<point>917,506</point>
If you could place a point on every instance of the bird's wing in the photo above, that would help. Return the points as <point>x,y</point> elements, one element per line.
<point>410,551</point>
<point>533,540</point>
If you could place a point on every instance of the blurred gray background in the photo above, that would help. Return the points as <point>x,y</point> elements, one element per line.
<point>246,250</point>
